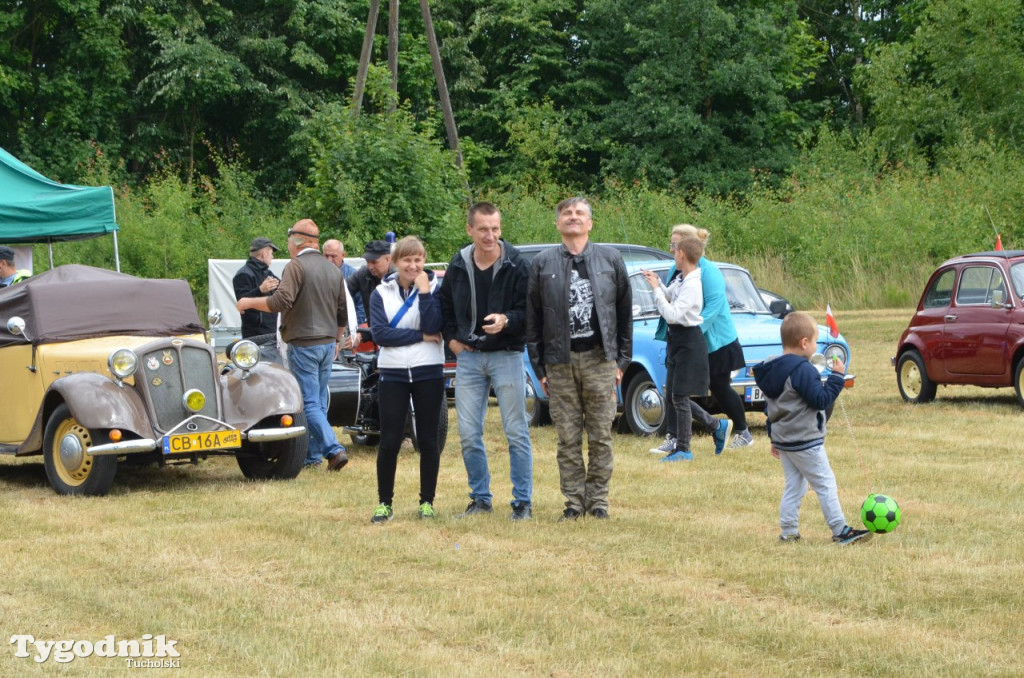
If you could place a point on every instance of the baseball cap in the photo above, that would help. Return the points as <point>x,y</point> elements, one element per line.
<point>260,243</point>
<point>6,253</point>
<point>375,249</point>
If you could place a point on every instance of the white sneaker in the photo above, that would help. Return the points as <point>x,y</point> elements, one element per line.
<point>742,439</point>
<point>668,446</point>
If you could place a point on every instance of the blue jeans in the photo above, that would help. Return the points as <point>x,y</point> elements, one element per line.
<point>311,366</point>
<point>475,373</point>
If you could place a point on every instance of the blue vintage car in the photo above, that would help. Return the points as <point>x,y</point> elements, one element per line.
<point>641,394</point>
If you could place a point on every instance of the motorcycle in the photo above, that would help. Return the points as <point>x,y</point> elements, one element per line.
<point>366,429</point>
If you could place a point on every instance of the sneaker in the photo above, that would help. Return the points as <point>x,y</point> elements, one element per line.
<point>569,514</point>
<point>789,537</point>
<point>666,446</point>
<point>850,535</point>
<point>521,511</point>
<point>426,510</point>
<point>382,514</point>
<point>311,465</point>
<point>741,439</point>
<point>679,455</point>
<point>721,434</point>
<point>338,461</point>
<point>599,513</point>
<point>477,506</point>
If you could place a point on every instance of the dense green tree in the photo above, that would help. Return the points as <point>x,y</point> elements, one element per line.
<point>848,30</point>
<point>961,72</point>
<point>63,73</point>
<point>380,172</point>
<point>690,92</point>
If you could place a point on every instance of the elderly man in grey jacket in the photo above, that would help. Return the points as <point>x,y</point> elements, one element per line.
<point>579,331</point>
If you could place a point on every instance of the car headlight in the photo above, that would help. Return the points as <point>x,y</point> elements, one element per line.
<point>194,400</point>
<point>245,354</point>
<point>818,362</point>
<point>123,362</point>
<point>836,352</point>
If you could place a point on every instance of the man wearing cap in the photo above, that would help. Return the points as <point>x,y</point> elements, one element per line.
<point>314,317</point>
<point>8,273</point>
<point>255,279</point>
<point>363,282</point>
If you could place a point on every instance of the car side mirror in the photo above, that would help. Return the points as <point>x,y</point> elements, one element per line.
<point>16,326</point>
<point>780,308</point>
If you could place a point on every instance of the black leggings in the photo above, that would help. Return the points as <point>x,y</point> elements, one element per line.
<point>428,399</point>
<point>720,387</point>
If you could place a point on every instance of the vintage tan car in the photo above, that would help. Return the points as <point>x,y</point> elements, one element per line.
<point>97,366</point>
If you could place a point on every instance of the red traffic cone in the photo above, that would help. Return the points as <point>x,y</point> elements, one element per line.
<point>999,243</point>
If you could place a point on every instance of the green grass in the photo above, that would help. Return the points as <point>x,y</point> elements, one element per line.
<point>291,579</point>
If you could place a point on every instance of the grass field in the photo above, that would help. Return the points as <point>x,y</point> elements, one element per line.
<point>687,578</point>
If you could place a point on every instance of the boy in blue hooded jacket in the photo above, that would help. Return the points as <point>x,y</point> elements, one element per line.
<point>795,402</point>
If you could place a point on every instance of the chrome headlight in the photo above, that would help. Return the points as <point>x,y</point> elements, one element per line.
<point>837,352</point>
<point>245,354</point>
<point>123,362</point>
<point>194,400</point>
<point>818,361</point>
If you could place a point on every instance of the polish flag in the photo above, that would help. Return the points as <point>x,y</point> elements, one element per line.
<point>830,320</point>
<point>999,243</point>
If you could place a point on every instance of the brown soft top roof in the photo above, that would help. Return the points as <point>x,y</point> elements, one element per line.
<point>78,302</point>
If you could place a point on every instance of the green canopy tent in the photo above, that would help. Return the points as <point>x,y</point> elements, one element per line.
<point>34,209</point>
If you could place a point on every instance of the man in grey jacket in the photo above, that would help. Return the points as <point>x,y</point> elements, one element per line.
<point>579,331</point>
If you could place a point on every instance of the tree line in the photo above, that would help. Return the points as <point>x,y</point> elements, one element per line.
<point>710,104</point>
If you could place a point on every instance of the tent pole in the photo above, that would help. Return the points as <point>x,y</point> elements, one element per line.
<point>117,257</point>
<point>49,247</point>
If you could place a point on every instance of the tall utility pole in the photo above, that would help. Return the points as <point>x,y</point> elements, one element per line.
<point>435,60</point>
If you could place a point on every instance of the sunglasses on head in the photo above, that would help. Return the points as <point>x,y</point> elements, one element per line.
<point>292,231</point>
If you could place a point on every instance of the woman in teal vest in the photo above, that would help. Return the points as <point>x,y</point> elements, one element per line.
<point>725,353</point>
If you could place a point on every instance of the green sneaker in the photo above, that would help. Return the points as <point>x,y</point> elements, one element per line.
<point>382,514</point>
<point>426,510</point>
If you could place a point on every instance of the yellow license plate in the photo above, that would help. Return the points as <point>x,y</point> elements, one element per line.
<point>186,443</point>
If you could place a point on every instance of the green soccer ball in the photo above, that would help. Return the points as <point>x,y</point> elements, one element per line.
<point>880,513</point>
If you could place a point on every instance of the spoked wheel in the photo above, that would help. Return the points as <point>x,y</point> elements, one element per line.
<point>912,379</point>
<point>69,466</point>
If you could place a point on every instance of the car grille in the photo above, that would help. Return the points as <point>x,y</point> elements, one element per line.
<point>169,371</point>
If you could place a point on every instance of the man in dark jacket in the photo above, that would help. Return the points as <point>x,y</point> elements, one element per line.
<point>579,330</point>
<point>364,281</point>
<point>255,279</point>
<point>483,301</point>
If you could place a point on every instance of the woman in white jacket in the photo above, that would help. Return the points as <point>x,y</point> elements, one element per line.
<point>405,317</point>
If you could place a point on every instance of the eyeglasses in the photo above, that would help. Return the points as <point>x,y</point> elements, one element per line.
<point>292,231</point>
<point>671,247</point>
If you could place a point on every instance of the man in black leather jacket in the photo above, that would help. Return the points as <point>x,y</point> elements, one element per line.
<point>579,331</point>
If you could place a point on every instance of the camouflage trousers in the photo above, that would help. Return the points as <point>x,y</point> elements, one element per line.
<point>582,398</point>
